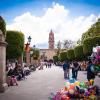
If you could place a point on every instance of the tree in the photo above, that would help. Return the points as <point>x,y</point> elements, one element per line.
<point>58,48</point>
<point>63,56</point>
<point>96,40</point>
<point>88,46</point>
<point>70,54</point>
<point>35,53</point>
<point>68,44</point>
<point>15,45</point>
<point>55,59</point>
<point>2,26</point>
<point>78,51</point>
<point>93,31</point>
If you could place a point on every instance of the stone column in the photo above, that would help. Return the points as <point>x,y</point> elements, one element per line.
<point>28,58</point>
<point>27,51</point>
<point>3,84</point>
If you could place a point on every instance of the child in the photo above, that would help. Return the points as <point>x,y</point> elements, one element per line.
<point>13,81</point>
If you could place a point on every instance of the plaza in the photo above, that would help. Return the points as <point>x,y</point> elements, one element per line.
<point>40,84</point>
<point>44,44</point>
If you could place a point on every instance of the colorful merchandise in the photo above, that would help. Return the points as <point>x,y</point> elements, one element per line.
<point>76,89</point>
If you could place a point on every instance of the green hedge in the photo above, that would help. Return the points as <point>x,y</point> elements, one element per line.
<point>15,45</point>
<point>70,54</point>
<point>88,46</point>
<point>78,51</point>
<point>63,56</point>
<point>55,59</point>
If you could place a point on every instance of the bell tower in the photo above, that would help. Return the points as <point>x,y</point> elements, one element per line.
<point>51,40</point>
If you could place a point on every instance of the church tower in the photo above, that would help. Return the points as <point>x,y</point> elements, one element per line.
<point>51,40</point>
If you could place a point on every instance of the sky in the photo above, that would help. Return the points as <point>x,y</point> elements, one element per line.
<point>68,19</point>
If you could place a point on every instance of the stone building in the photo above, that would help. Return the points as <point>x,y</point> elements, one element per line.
<point>47,54</point>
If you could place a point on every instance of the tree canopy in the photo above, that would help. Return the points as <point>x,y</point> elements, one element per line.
<point>70,54</point>
<point>87,46</point>
<point>78,50</point>
<point>35,53</point>
<point>63,56</point>
<point>15,45</point>
<point>2,26</point>
<point>93,31</point>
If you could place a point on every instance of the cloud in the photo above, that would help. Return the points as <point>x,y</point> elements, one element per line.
<point>55,18</point>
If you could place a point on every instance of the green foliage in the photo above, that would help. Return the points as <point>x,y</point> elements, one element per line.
<point>93,31</point>
<point>63,56</point>
<point>96,40</point>
<point>35,54</point>
<point>87,46</point>
<point>70,54</point>
<point>2,26</point>
<point>78,51</point>
<point>15,45</point>
<point>58,48</point>
<point>55,58</point>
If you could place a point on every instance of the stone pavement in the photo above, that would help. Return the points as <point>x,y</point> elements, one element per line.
<point>40,84</point>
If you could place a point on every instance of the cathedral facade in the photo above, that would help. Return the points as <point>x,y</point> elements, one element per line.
<point>47,54</point>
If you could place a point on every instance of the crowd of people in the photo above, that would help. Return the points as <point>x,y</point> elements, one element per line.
<point>75,66</point>
<point>17,73</point>
<point>20,73</point>
<point>46,63</point>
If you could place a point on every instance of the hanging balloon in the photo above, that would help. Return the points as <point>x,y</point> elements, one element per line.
<point>91,82</point>
<point>77,83</point>
<point>71,91</point>
<point>82,91</point>
<point>63,97</point>
<point>67,84</point>
<point>72,87</point>
<point>82,85</point>
<point>62,90</point>
<point>72,80</point>
<point>92,97</point>
<point>87,84</point>
<point>77,88</point>
<point>66,88</point>
<point>87,93</point>
<point>68,98</point>
<point>65,92</point>
<point>76,94</point>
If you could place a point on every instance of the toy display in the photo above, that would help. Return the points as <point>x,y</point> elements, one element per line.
<point>96,58</point>
<point>75,89</point>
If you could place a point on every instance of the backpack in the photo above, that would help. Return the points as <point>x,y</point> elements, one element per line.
<point>92,68</point>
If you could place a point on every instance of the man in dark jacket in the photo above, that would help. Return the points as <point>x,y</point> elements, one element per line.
<point>75,69</point>
<point>90,73</point>
<point>66,69</point>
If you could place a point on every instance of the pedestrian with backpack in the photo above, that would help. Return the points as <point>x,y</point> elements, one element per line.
<point>75,69</point>
<point>90,71</point>
<point>66,66</point>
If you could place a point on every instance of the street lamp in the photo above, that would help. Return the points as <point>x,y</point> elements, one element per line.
<point>33,46</point>
<point>27,50</point>
<point>29,39</point>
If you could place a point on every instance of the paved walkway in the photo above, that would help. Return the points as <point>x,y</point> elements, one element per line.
<point>39,85</point>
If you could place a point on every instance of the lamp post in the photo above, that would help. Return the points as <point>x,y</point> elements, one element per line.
<point>29,40</point>
<point>27,50</point>
<point>34,51</point>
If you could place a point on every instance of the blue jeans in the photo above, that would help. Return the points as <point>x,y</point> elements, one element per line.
<point>75,72</point>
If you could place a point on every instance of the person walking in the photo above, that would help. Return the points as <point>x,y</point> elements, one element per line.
<point>75,69</point>
<point>66,69</point>
<point>90,71</point>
